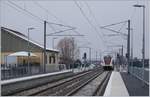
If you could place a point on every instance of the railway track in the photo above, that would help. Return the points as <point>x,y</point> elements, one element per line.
<point>64,87</point>
<point>101,87</point>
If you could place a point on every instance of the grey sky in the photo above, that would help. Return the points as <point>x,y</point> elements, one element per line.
<point>105,12</point>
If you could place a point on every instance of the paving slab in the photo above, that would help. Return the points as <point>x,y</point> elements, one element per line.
<point>116,86</point>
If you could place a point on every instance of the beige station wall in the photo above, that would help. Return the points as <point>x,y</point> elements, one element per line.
<point>20,60</point>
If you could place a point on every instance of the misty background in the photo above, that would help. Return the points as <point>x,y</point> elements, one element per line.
<point>99,13</point>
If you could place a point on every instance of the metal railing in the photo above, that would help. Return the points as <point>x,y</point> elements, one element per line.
<point>138,73</point>
<point>10,71</point>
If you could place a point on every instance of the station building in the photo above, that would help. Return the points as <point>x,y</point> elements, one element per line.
<point>13,41</point>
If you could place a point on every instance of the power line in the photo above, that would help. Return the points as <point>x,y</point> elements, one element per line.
<point>37,16</point>
<point>60,24</point>
<point>119,31</point>
<point>52,27</point>
<point>122,26</point>
<point>61,31</point>
<point>31,14</point>
<point>37,4</point>
<point>122,34</point>
<point>88,20</point>
<point>47,11</point>
<point>24,10</point>
<point>90,10</point>
<point>82,36</point>
<point>114,24</point>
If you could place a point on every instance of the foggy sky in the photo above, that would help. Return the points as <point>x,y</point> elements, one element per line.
<point>67,13</point>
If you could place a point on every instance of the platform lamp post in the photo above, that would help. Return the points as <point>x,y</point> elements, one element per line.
<point>143,46</point>
<point>53,42</point>
<point>131,50</point>
<point>29,69</point>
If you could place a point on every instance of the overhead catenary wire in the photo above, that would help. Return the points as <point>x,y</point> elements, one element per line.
<point>113,24</point>
<point>82,12</point>
<point>51,26</point>
<point>82,36</point>
<point>117,32</point>
<point>96,21</point>
<point>40,19</point>
<point>37,4</point>
<point>17,7</point>
<point>91,12</point>
<point>20,9</point>
<point>46,10</point>
<point>29,13</point>
<point>122,26</point>
<point>24,10</point>
<point>61,31</point>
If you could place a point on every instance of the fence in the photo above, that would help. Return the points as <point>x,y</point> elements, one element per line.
<point>10,71</point>
<point>138,72</point>
<point>13,71</point>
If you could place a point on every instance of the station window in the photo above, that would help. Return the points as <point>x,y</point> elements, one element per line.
<point>50,61</point>
<point>54,59</point>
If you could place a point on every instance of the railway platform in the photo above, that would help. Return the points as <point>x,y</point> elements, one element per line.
<point>135,86</point>
<point>8,87</point>
<point>32,77</point>
<point>125,84</point>
<point>116,86</point>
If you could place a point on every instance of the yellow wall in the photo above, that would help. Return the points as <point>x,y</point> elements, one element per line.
<point>37,59</point>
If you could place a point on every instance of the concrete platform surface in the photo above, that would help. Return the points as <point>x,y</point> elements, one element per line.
<point>135,86</point>
<point>32,77</point>
<point>116,86</point>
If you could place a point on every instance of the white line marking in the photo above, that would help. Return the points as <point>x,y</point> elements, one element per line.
<point>31,77</point>
<point>108,88</point>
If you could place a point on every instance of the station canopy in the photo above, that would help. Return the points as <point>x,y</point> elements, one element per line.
<point>22,53</point>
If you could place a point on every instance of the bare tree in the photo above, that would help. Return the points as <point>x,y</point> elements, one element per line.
<point>69,51</point>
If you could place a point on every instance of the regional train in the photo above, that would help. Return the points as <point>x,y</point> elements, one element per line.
<point>108,63</point>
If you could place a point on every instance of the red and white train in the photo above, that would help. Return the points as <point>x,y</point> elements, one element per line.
<point>108,64</point>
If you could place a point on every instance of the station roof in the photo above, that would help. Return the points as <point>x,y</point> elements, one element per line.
<point>24,37</point>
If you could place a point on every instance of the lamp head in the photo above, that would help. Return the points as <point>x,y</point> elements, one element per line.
<point>138,5</point>
<point>31,28</point>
